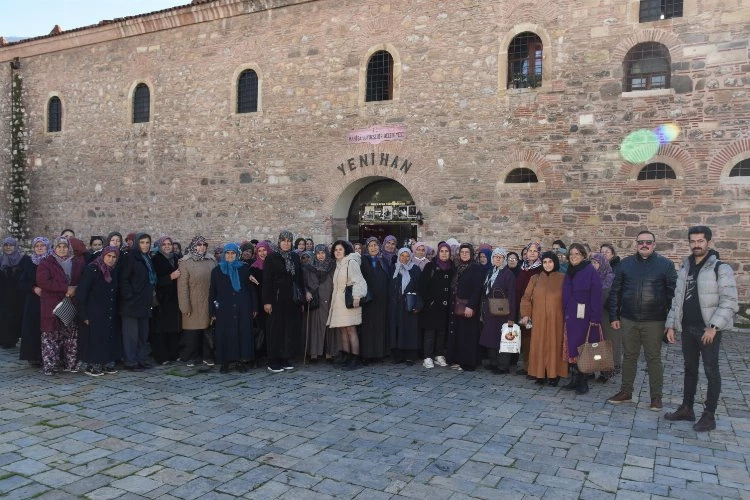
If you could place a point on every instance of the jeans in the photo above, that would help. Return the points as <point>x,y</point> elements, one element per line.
<point>692,350</point>
<point>648,334</point>
<point>135,340</point>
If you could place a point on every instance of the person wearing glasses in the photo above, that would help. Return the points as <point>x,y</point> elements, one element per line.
<point>639,300</point>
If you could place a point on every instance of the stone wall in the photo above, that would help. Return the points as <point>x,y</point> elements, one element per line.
<point>197,167</point>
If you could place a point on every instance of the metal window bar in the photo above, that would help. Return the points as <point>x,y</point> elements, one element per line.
<point>525,61</point>
<point>54,115</point>
<point>141,104</point>
<point>653,10</point>
<point>656,170</point>
<point>521,176</point>
<point>247,92</point>
<point>647,67</point>
<point>379,77</point>
<point>742,169</point>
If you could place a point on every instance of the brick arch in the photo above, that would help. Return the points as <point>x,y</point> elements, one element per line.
<point>678,158</point>
<point>669,40</point>
<point>528,159</point>
<point>728,157</point>
<point>547,52</point>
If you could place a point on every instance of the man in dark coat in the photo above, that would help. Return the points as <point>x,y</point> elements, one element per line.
<point>137,281</point>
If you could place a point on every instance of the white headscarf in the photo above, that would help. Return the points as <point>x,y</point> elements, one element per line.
<point>403,269</point>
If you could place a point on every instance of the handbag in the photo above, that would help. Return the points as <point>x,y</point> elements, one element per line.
<point>595,356</point>
<point>65,311</point>
<point>459,308</point>
<point>411,301</point>
<point>349,294</point>
<point>498,306</point>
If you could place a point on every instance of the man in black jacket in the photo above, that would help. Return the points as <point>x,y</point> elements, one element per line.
<point>639,301</point>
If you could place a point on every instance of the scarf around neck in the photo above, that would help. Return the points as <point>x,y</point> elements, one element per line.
<point>36,259</point>
<point>11,259</point>
<point>231,268</point>
<point>403,269</point>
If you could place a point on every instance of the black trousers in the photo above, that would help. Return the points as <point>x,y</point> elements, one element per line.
<point>692,350</point>
<point>197,345</point>
<point>433,343</point>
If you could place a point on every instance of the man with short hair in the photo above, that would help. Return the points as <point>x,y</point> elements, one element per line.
<point>704,304</point>
<point>639,301</point>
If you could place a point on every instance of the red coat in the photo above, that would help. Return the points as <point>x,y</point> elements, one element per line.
<point>51,278</point>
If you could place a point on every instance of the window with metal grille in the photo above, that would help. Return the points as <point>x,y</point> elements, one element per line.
<point>521,176</point>
<point>525,61</point>
<point>247,92</point>
<point>379,77</point>
<point>656,171</point>
<point>141,103</point>
<point>54,115</point>
<point>647,67</point>
<point>742,169</point>
<point>653,10</point>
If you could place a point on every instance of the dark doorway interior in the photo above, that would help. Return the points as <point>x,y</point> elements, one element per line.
<point>383,191</point>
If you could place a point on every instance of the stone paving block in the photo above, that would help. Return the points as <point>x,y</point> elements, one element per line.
<point>12,482</point>
<point>196,488</point>
<point>105,493</point>
<point>87,484</point>
<point>514,485</point>
<point>55,478</point>
<point>33,490</point>
<point>136,484</point>
<point>26,467</point>
<point>644,487</point>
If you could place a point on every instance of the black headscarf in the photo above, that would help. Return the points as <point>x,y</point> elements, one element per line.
<point>553,257</point>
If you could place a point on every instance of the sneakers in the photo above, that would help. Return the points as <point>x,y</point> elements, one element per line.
<point>92,371</point>
<point>110,370</point>
<point>655,404</point>
<point>275,369</point>
<point>684,412</point>
<point>288,367</point>
<point>190,364</point>
<point>208,362</point>
<point>706,423</point>
<point>440,361</point>
<point>620,397</point>
<point>427,363</point>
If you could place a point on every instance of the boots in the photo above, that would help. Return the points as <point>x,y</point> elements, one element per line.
<point>582,384</point>
<point>573,382</point>
<point>342,360</point>
<point>706,423</point>
<point>353,364</point>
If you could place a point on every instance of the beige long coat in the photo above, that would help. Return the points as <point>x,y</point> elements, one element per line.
<point>192,291</point>
<point>338,314</point>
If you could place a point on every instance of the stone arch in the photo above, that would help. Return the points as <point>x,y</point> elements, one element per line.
<point>669,40</point>
<point>391,49</point>
<point>528,159</point>
<point>682,163</point>
<point>152,101</point>
<point>728,157</point>
<point>547,57</point>
<point>63,114</point>
<point>233,88</point>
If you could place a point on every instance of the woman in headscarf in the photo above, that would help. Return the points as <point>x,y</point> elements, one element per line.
<point>344,319</point>
<point>281,273</point>
<point>11,295</point>
<point>514,263</point>
<point>374,336</point>
<point>319,281</point>
<point>192,296</point>
<point>57,276</point>
<point>136,284</point>
<point>531,266</point>
<point>100,339</point>
<point>435,290</point>
<point>466,291</point>
<point>114,239</point>
<point>602,265</point>
<point>484,257</point>
<point>96,244</point>
<point>31,335</point>
<point>499,282</point>
<point>232,305</point>
<point>541,305</point>
<point>388,250</point>
<point>419,256</point>
<point>300,245</point>
<point>608,249</point>
<point>247,253</point>
<point>403,304</point>
<point>582,305</point>
<point>262,251</point>
<point>165,335</point>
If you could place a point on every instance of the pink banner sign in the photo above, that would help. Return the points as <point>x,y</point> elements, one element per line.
<point>377,134</point>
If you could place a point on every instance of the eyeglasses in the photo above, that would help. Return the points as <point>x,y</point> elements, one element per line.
<point>645,242</point>
<point>201,244</point>
<point>512,258</point>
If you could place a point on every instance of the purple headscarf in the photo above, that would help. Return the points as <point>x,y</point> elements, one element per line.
<point>36,259</point>
<point>11,259</point>
<point>259,263</point>
<point>388,256</point>
<point>605,269</point>
<point>440,264</point>
<point>104,268</point>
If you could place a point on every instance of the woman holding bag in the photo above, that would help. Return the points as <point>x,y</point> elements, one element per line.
<point>499,289</point>
<point>404,303</point>
<point>582,305</point>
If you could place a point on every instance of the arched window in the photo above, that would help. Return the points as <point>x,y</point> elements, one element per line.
<point>525,61</point>
<point>647,66</point>
<point>141,104</point>
<point>656,171</point>
<point>742,169</point>
<point>379,77</point>
<point>247,92</point>
<point>54,115</point>
<point>521,176</point>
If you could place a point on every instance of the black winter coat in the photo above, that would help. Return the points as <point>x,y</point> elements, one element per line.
<point>284,324</point>
<point>100,340</point>
<point>136,291</point>
<point>234,316</point>
<point>168,311</point>
<point>642,289</point>
<point>435,290</point>
<point>11,305</point>
<point>31,333</point>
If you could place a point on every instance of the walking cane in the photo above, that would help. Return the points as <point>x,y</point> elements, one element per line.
<point>307,336</point>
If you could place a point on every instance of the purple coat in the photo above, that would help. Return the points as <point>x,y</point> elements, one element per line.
<point>583,288</point>
<point>51,278</point>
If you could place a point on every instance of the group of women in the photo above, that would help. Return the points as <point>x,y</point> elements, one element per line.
<point>349,304</point>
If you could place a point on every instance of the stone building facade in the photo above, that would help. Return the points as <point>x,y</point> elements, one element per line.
<point>199,166</point>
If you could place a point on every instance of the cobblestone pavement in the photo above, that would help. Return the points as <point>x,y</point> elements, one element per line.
<point>386,431</point>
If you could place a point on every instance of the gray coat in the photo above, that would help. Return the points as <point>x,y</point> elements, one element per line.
<point>718,299</point>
